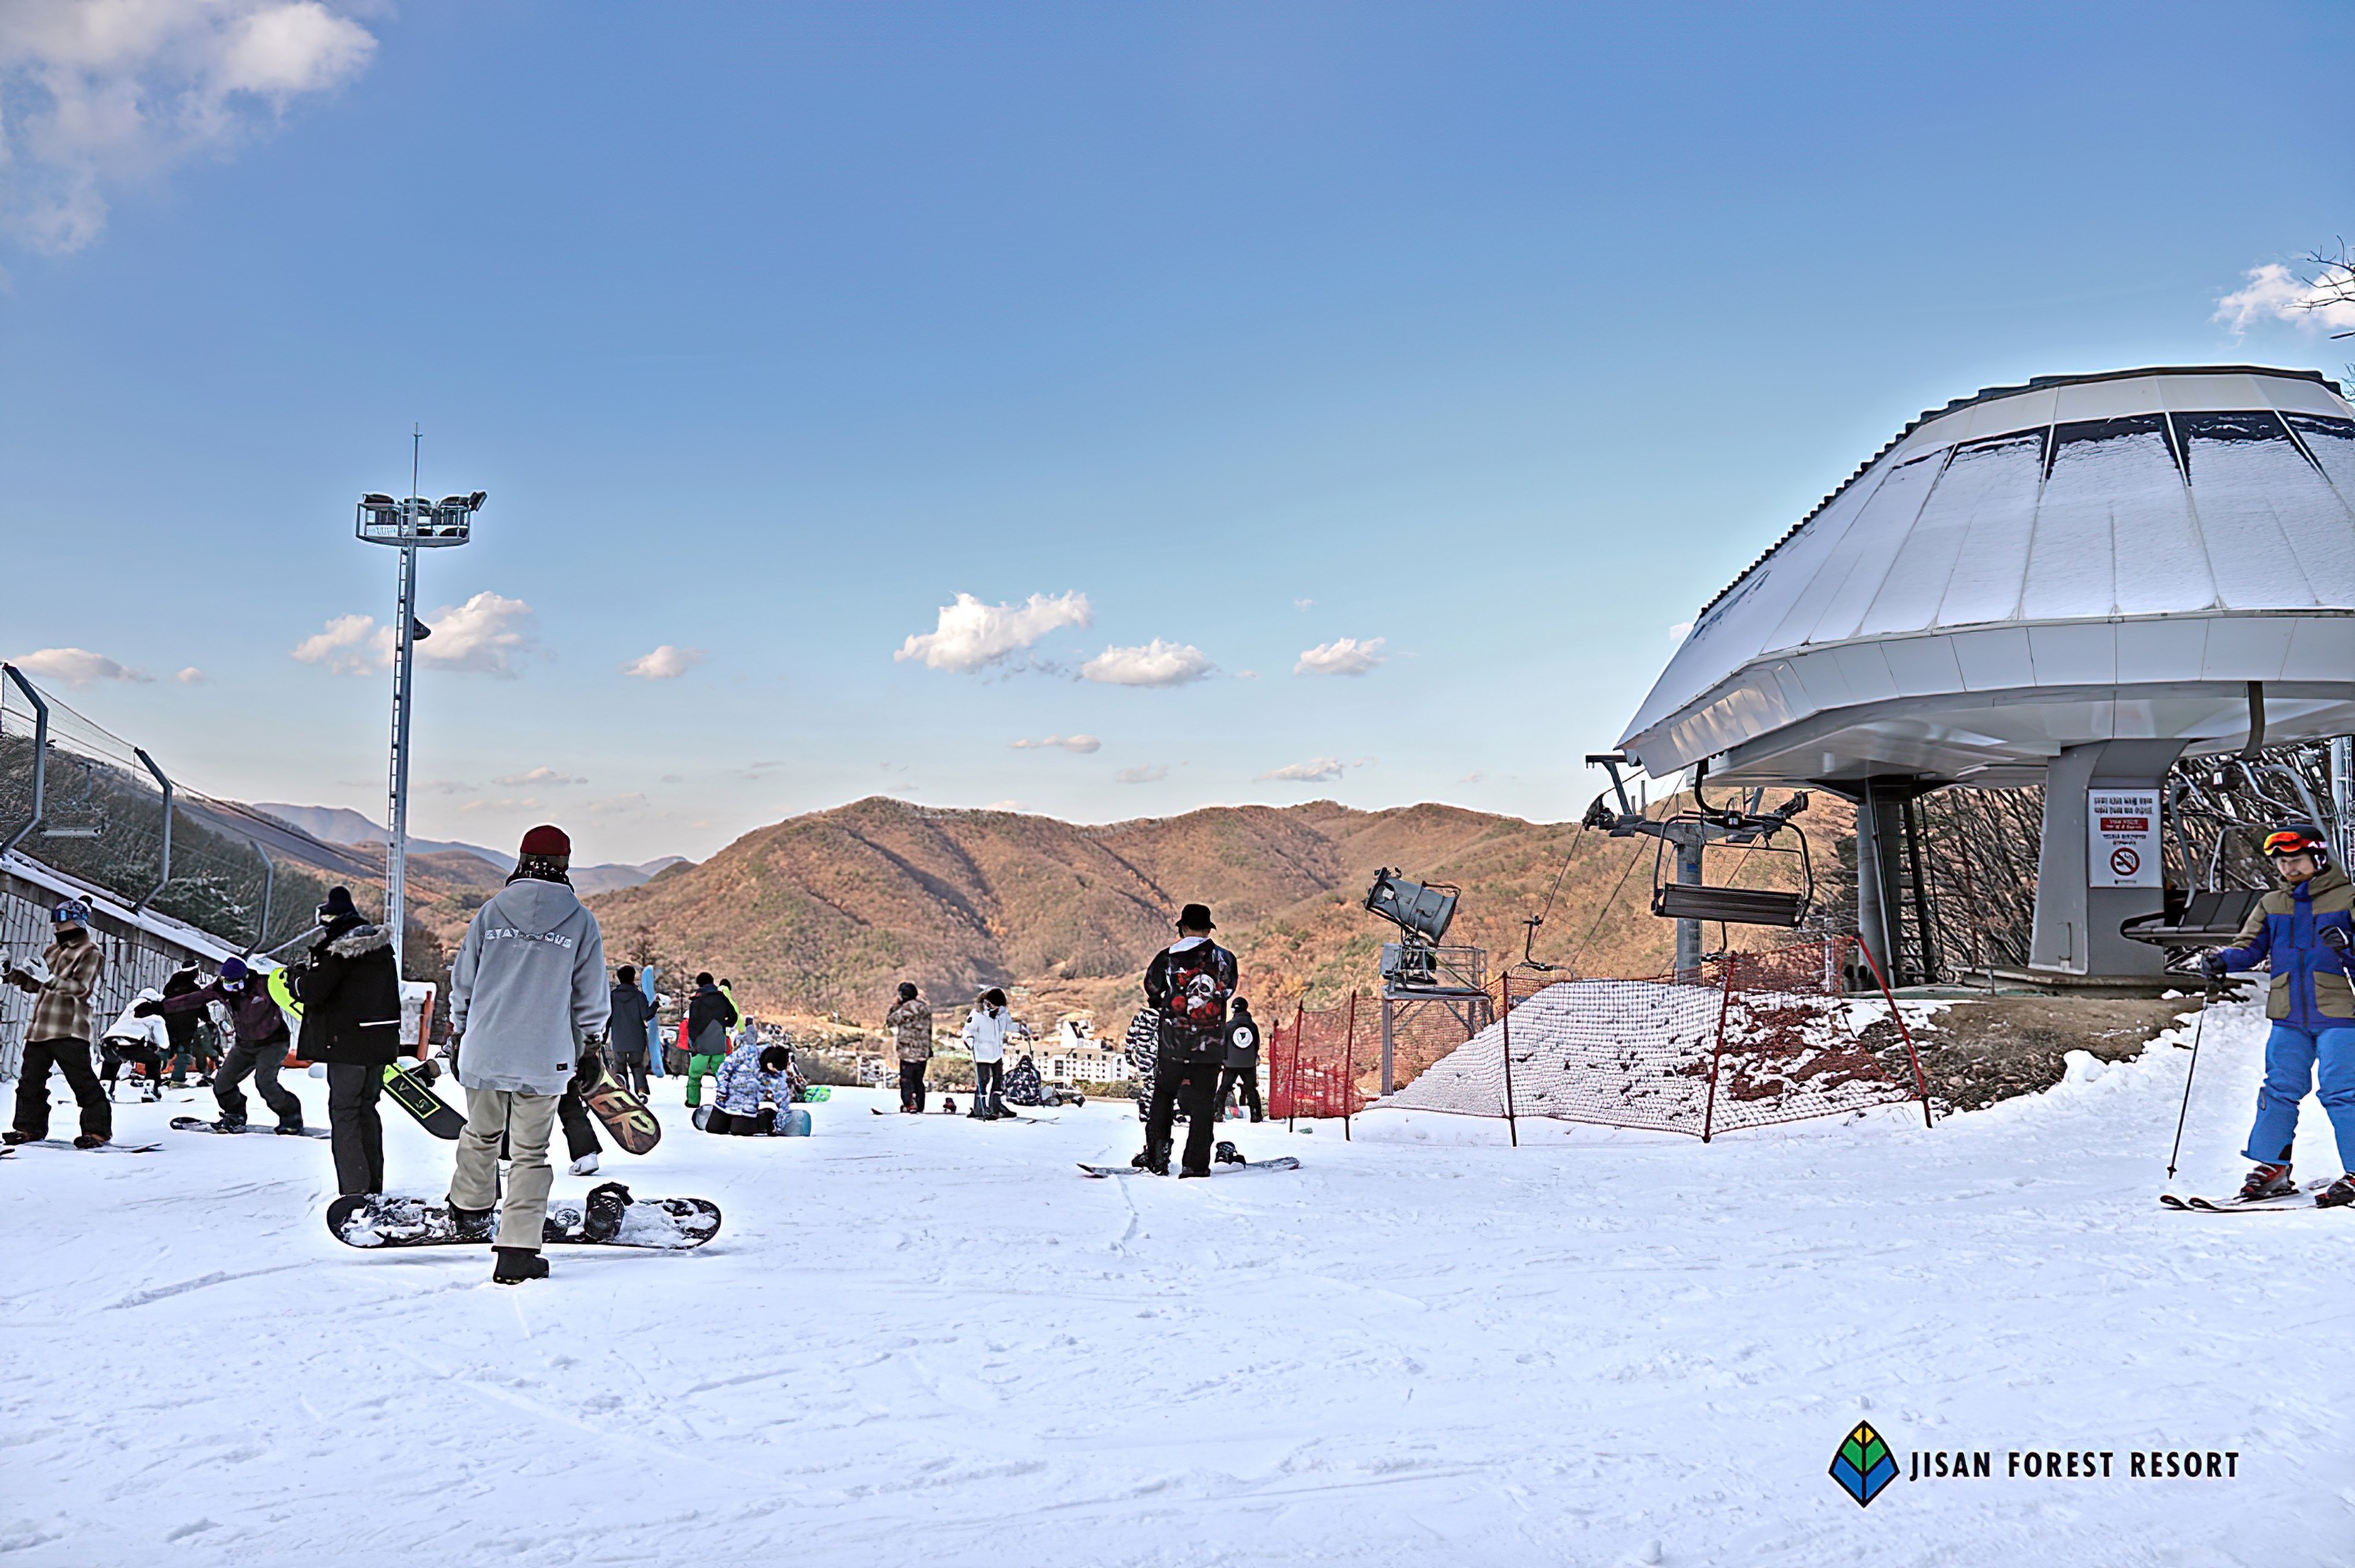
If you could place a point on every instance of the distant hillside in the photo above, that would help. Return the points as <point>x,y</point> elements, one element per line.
<point>342,825</point>
<point>824,913</point>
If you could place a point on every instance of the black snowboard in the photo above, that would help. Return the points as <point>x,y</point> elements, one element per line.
<point>198,1123</point>
<point>1285,1163</point>
<point>412,1094</point>
<point>67,1144</point>
<point>375,1219</point>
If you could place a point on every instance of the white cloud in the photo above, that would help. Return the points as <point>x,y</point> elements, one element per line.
<point>1680,631</point>
<point>1342,656</point>
<point>99,93</point>
<point>548,776</point>
<point>191,676</point>
<point>481,636</point>
<point>2277,293</point>
<point>441,787</point>
<point>349,645</point>
<point>1302,603</point>
<point>75,666</point>
<point>618,805</point>
<point>972,636</point>
<point>1316,771</point>
<point>1146,773</point>
<point>1158,664</point>
<point>664,663</point>
<point>1082,744</point>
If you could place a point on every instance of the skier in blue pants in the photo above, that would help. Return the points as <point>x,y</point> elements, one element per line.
<point>2303,932</point>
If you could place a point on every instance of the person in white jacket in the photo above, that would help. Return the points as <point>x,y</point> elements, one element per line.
<point>527,997</point>
<point>985,1034</point>
<point>132,1038</point>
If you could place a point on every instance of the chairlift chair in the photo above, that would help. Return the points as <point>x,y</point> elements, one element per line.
<point>1747,834</point>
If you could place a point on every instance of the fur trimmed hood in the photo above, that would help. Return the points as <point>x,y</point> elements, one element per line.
<point>358,940</point>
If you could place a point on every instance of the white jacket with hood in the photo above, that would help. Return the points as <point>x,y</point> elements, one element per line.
<point>527,984</point>
<point>988,1030</point>
<point>134,1030</point>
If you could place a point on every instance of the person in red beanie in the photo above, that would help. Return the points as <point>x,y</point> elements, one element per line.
<point>528,998</point>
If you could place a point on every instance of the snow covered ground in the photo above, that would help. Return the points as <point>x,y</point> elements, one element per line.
<point>933,1342</point>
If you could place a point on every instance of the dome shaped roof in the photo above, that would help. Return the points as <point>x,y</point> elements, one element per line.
<point>2078,559</point>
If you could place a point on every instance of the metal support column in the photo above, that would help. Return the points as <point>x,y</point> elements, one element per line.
<point>2342,798</point>
<point>1688,871</point>
<point>164,870</point>
<point>396,842</point>
<point>40,756</point>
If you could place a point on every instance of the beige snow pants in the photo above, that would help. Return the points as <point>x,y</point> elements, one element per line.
<point>526,1122</point>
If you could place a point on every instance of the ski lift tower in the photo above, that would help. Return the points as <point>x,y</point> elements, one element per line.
<point>1418,973</point>
<point>408,525</point>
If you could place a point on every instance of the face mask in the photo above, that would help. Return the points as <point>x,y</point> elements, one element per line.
<point>70,935</point>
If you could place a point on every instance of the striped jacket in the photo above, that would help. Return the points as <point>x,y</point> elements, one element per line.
<point>2310,988</point>
<point>62,1003</point>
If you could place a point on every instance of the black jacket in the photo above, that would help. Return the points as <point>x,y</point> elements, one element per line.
<point>709,1007</point>
<point>181,1026</point>
<point>350,992</point>
<point>625,1026</point>
<point>1193,1021</point>
<point>1243,1041</point>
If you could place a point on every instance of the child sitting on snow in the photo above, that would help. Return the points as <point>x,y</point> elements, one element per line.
<point>751,1074</point>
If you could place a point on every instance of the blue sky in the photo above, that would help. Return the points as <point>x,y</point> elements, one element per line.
<point>1385,381</point>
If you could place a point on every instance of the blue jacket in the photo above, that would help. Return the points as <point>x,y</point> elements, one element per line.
<point>2310,987</point>
<point>743,1084</point>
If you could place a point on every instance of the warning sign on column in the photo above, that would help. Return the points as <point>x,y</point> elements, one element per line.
<point>2123,849</point>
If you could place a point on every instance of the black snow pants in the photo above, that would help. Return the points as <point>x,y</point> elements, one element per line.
<point>261,1060</point>
<point>580,1126</point>
<point>72,1058</point>
<point>1192,1086</point>
<point>988,1083</point>
<point>911,1086</point>
<point>1247,1078</point>
<point>353,1091</point>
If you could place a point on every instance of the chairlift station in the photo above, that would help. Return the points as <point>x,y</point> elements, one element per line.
<point>2073,583</point>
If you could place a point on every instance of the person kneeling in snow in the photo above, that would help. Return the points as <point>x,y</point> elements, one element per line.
<point>2304,932</point>
<point>1022,1086</point>
<point>751,1074</point>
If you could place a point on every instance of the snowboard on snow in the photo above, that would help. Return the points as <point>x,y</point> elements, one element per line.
<point>664,1224</point>
<point>620,1113</point>
<point>67,1144</point>
<point>414,1093</point>
<point>1283,1162</point>
<point>198,1123</point>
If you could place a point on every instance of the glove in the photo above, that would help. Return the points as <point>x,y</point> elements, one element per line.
<point>2337,938</point>
<point>425,1072</point>
<point>147,1009</point>
<point>2212,966</point>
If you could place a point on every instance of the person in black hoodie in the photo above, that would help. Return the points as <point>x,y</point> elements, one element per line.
<point>181,1027</point>
<point>709,1016</point>
<point>626,1033</point>
<point>1187,987</point>
<point>1243,1060</point>
<point>350,992</point>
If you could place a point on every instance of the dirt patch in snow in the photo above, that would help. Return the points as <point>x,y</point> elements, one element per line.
<point>1984,1051</point>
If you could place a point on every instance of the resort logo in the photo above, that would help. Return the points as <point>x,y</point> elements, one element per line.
<point>1864,1464</point>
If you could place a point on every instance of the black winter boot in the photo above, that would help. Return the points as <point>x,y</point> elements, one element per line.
<point>2338,1194</point>
<point>517,1263</point>
<point>471,1224</point>
<point>2268,1182</point>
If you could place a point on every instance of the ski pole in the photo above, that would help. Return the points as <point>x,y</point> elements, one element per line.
<point>2198,1029</point>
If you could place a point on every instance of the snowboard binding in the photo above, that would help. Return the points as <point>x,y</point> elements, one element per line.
<point>1225,1154</point>
<point>603,1211</point>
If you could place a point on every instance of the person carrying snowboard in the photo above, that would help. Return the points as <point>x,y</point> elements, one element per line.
<point>527,995</point>
<point>753,1073</point>
<point>709,1016</point>
<point>627,1036</point>
<point>1241,1068</point>
<point>349,985</point>
<point>1188,987</point>
<point>986,1031</point>
<point>909,1021</point>
<point>2303,932</point>
<point>259,1050</point>
<point>58,1031</point>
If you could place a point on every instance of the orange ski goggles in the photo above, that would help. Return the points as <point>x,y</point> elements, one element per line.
<point>2290,844</point>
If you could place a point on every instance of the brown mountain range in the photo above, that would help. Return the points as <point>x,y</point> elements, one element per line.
<point>824,914</point>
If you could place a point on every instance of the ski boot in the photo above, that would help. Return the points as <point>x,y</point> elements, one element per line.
<point>517,1263</point>
<point>2268,1182</point>
<point>471,1224</point>
<point>1227,1154</point>
<point>13,1137</point>
<point>603,1212</point>
<point>87,1140</point>
<point>2338,1194</point>
<point>948,1106</point>
<point>291,1128</point>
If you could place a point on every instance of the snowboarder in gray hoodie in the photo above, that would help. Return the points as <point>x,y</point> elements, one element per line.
<point>527,996</point>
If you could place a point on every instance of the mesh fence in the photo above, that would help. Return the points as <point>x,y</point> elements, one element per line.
<point>102,822</point>
<point>1317,1062</point>
<point>1755,1039</point>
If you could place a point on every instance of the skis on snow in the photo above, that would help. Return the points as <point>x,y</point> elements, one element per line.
<point>2301,1199</point>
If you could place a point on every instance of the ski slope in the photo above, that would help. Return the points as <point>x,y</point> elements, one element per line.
<point>934,1342</point>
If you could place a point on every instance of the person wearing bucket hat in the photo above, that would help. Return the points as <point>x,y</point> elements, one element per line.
<point>2305,933</point>
<point>58,1032</point>
<point>1187,987</point>
<point>527,1000</point>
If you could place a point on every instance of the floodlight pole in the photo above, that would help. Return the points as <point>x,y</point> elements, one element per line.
<point>396,841</point>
